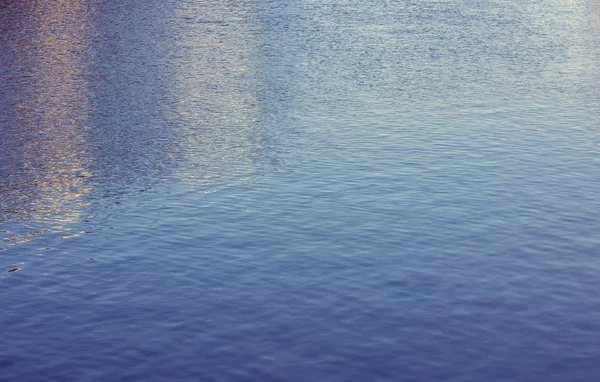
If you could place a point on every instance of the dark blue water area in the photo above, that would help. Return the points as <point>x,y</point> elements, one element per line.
<point>299,190</point>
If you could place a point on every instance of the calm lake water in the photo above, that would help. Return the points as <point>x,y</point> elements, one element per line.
<point>300,190</point>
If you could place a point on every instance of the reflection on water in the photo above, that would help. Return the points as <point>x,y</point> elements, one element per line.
<point>209,108</point>
<point>46,103</point>
<point>96,102</point>
<point>213,107</point>
<point>173,96</point>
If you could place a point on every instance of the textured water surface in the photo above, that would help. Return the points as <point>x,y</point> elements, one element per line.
<point>299,190</point>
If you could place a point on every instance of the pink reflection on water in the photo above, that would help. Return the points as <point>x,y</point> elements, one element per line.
<point>46,111</point>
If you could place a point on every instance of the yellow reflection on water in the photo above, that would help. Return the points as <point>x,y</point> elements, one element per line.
<point>48,166</point>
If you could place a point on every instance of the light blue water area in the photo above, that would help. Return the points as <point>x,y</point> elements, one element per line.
<point>299,190</point>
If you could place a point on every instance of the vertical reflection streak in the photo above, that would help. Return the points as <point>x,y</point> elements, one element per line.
<point>45,133</point>
<point>213,102</point>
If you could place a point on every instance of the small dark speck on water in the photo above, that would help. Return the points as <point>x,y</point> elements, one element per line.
<point>14,270</point>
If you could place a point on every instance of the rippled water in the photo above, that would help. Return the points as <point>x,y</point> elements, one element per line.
<point>299,190</point>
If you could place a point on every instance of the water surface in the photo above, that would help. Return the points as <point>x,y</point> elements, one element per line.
<point>299,190</point>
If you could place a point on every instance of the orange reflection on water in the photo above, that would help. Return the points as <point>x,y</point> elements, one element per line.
<point>47,167</point>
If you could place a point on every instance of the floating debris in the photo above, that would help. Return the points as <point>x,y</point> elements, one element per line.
<point>14,270</point>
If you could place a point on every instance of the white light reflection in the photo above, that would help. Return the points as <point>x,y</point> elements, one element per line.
<point>213,106</point>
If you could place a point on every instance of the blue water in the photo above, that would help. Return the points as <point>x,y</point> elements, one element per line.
<point>298,190</point>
